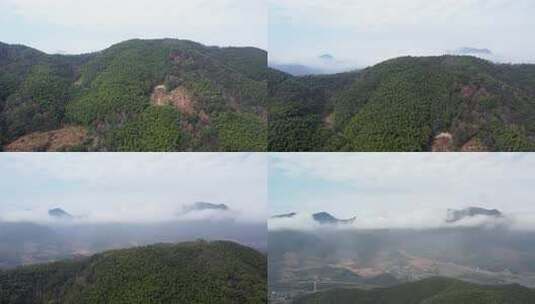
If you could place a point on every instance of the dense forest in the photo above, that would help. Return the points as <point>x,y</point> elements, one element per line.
<point>191,272</point>
<point>176,95</point>
<point>446,103</point>
<point>138,95</point>
<point>428,291</point>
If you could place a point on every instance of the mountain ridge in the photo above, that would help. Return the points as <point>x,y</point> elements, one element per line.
<point>435,103</point>
<point>454,215</point>
<point>324,218</point>
<point>108,94</point>
<point>429,291</point>
<point>59,213</point>
<point>202,272</point>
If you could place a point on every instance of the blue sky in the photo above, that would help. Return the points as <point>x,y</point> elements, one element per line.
<point>286,192</point>
<point>70,26</point>
<point>401,188</point>
<point>130,187</point>
<point>360,33</point>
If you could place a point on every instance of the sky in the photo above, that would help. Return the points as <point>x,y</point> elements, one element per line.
<point>405,190</point>
<point>360,33</point>
<point>131,187</point>
<point>73,27</point>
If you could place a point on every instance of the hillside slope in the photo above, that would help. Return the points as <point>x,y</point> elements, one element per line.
<point>428,291</point>
<point>193,272</point>
<point>447,103</point>
<point>138,95</point>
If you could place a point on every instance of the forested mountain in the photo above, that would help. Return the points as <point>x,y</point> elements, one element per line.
<point>446,103</point>
<point>429,291</point>
<point>193,272</point>
<point>138,95</point>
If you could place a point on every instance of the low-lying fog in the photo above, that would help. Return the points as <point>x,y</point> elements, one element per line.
<point>402,190</point>
<point>417,220</point>
<point>56,206</point>
<point>29,243</point>
<point>386,218</point>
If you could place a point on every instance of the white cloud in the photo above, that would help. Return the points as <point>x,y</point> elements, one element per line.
<point>411,189</point>
<point>382,14</point>
<point>430,218</point>
<point>138,187</point>
<point>366,32</point>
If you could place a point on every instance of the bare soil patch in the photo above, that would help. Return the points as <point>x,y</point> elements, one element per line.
<point>51,141</point>
<point>443,142</point>
<point>473,145</point>
<point>328,121</point>
<point>179,98</point>
<point>474,92</point>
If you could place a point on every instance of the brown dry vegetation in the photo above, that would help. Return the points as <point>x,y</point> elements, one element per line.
<point>179,98</point>
<point>474,145</point>
<point>328,121</point>
<point>51,141</point>
<point>443,142</point>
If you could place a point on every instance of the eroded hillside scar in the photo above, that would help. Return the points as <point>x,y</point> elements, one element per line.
<point>51,141</point>
<point>179,98</point>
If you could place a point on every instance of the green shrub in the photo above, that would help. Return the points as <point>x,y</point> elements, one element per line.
<point>241,132</point>
<point>155,129</point>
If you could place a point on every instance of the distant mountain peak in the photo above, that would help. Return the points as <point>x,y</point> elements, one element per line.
<point>326,218</point>
<point>59,213</point>
<point>297,69</point>
<point>454,215</point>
<point>202,206</point>
<point>473,51</point>
<point>284,215</point>
<point>326,57</point>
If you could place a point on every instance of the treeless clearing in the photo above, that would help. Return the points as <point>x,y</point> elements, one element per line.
<point>443,142</point>
<point>51,141</point>
<point>178,98</point>
<point>473,145</point>
<point>328,121</point>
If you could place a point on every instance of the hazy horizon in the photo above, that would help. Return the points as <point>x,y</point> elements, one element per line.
<point>132,188</point>
<point>358,34</point>
<point>401,190</point>
<point>72,27</point>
